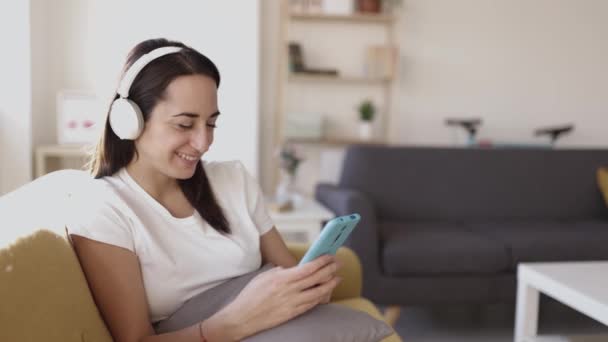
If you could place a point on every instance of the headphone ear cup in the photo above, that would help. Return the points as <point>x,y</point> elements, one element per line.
<point>126,119</point>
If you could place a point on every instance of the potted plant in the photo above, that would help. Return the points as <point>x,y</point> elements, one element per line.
<point>289,160</point>
<point>377,6</point>
<point>369,6</point>
<point>367,111</point>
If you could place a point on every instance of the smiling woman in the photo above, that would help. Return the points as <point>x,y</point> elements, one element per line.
<point>161,226</point>
<point>162,78</point>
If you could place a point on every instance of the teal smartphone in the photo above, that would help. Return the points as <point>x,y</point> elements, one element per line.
<point>333,235</point>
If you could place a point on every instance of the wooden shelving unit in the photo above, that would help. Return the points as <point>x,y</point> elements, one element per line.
<point>346,82</point>
<point>361,18</point>
<point>294,77</point>
<point>335,142</point>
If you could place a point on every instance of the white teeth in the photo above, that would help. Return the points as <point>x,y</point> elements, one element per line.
<point>187,157</point>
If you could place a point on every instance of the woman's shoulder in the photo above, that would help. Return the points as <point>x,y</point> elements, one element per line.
<point>225,164</point>
<point>227,175</point>
<point>223,169</point>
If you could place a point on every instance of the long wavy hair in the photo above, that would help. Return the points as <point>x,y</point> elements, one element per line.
<point>111,153</point>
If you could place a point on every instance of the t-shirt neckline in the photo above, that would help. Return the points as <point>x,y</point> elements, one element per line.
<point>124,174</point>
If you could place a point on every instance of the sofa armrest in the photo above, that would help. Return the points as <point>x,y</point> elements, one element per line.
<point>365,238</point>
<point>350,287</point>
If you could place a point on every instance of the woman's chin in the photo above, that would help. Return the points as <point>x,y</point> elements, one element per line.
<point>181,172</point>
<point>183,176</point>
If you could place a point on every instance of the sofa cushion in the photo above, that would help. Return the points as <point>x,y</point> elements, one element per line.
<point>575,240</point>
<point>439,248</point>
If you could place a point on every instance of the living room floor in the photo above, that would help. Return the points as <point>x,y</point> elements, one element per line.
<point>492,323</point>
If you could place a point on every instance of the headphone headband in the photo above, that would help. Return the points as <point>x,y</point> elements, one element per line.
<point>125,117</point>
<point>139,64</point>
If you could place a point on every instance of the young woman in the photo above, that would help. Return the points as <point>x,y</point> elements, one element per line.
<point>163,226</point>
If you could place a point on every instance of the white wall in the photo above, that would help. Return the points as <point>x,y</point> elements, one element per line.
<point>517,64</point>
<point>82,44</point>
<point>15,95</point>
<point>43,103</point>
<point>269,27</point>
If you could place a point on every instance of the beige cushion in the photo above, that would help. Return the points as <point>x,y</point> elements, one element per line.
<point>44,293</point>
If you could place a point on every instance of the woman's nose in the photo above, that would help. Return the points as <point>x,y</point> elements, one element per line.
<point>200,140</point>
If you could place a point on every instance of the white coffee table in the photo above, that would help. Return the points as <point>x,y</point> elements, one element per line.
<point>582,286</point>
<point>303,223</point>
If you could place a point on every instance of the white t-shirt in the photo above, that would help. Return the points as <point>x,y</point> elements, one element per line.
<point>179,257</point>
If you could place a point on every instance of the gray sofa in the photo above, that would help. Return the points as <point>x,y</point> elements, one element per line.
<point>451,225</point>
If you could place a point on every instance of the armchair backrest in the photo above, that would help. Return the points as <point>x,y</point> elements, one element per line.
<point>45,296</point>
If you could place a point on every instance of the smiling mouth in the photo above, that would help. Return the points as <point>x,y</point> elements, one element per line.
<point>187,157</point>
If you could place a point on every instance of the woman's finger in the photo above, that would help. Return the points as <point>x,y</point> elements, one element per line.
<point>299,272</point>
<point>315,294</point>
<point>326,299</point>
<point>322,276</point>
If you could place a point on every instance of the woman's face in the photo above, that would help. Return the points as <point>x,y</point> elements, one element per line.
<point>180,128</point>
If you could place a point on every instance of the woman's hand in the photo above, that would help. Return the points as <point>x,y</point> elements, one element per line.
<point>327,298</point>
<point>276,296</point>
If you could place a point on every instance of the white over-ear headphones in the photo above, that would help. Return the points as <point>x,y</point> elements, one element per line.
<point>125,117</point>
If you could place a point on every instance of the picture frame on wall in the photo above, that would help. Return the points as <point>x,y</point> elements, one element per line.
<point>79,117</point>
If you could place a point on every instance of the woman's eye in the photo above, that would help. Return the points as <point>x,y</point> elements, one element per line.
<point>183,126</point>
<point>212,125</point>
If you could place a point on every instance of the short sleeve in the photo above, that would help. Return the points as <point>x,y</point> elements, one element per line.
<point>100,215</point>
<point>256,204</point>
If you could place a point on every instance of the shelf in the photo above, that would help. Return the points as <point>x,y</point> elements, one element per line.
<point>359,17</point>
<point>67,150</point>
<point>336,141</point>
<point>337,79</point>
<point>44,152</point>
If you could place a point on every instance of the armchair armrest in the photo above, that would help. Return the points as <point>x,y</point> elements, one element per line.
<point>350,287</point>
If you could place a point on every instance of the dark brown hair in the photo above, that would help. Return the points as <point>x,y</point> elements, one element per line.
<point>112,153</point>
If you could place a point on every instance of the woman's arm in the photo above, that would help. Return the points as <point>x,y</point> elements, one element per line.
<point>275,251</point>
<point>114,276</point>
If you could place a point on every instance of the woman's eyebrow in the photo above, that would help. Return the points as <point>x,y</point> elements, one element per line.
<point>194,115</point>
